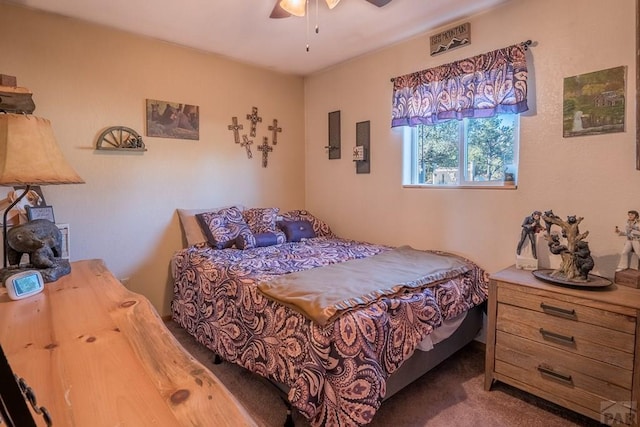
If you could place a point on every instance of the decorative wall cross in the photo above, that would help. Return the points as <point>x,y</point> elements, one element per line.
<point>247,140</point>
<point>235,127</point>
<point>275,129</point>
<point>265,148</point>
<point>254,119</point>
<point>246,143</point>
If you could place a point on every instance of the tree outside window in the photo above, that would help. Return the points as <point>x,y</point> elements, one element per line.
<point>469,152</point>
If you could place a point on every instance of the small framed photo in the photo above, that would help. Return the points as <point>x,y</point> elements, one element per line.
<point>66,241</point>
<point>40,212</point>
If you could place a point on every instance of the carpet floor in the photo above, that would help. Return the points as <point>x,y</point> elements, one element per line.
<point>451,395</point>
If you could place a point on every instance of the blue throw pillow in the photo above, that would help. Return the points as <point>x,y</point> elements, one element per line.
<point>320,227</point>
<point>266,239</point>
<point>259,240</point>
<point>297,230</point>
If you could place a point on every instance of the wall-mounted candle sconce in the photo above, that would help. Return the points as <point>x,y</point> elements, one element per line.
<point>334,135</point>
<point>362,150</point>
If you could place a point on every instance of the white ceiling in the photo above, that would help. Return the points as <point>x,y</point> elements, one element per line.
<point>242,29</point>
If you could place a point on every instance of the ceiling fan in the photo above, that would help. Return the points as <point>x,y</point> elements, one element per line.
<point>286,8</point>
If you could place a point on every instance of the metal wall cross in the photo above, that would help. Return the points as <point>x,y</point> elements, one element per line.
<point>254,119</point>
<point>235,127</point>
<point>246,143</point>
<point>265,148</point>
<point>275,129</point>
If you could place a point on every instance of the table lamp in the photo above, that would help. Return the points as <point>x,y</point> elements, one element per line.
<point>29,155</point>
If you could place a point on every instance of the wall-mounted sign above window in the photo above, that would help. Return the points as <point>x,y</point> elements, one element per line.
<point>458,36</point>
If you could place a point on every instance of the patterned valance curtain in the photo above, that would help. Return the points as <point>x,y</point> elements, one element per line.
<point>480,86</point>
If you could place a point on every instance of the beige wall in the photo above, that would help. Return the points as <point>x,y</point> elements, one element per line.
<point>592,176</point>
<point>85,78</point>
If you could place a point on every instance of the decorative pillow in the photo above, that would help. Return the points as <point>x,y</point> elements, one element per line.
<point>261,220</point>
<point>248,241</point>
<point>270,239</point>
<point>297,230</point>
<point>320,228</point>
<point>223,227</point>
<point>193,233</point>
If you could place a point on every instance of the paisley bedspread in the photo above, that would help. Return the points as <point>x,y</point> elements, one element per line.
<point>336,373</point>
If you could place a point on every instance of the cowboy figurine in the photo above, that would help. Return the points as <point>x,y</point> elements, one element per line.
<point>530,227</point>
<point>632,233</point>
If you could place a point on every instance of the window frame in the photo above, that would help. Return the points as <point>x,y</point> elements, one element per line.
<point>410,165</point>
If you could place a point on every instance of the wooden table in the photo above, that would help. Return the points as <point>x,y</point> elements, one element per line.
<point>97,354</point>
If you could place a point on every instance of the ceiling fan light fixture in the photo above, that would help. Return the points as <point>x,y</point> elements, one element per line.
<point>294,7</point>
<point>332,3</point>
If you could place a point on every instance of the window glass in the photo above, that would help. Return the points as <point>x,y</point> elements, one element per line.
<point>469,152</point>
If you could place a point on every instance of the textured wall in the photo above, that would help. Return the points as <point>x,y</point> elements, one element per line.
<point>592,176</point>
<point>85,78</point>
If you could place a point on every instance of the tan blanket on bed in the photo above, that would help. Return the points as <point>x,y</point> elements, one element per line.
<point>323,292</point>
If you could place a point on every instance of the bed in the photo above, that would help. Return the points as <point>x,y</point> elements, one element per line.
<point>338,369</point>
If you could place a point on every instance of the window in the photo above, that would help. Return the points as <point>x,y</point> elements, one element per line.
<point>469,152</point>
<point>461,120</point>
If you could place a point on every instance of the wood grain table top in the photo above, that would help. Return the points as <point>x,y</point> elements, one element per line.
<point>97,354</point>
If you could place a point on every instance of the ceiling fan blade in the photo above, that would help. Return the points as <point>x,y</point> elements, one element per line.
<point>379,3</point>
<point>279,12</point>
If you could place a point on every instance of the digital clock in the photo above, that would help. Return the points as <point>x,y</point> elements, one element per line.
<point>24,284</point>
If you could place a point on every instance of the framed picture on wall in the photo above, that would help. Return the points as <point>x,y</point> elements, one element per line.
<point>637,84</point>
<point>594,103</point>
<point>66,243</point>
<point>173,120</point>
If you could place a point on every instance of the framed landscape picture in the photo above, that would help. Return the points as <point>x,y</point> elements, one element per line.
<point>594,103</point>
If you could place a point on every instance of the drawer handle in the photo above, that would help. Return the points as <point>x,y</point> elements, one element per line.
<point>557,311</point>
<point>555,375</point>
<point>563,339</point>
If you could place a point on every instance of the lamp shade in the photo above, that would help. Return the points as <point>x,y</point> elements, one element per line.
<point>29,153</point>
<point>294,7</point>
<point>332,3</point>
<point>298,7</point>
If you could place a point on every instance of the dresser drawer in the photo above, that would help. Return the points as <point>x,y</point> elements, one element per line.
<point>564,368</point>
<point>606,345</point>
<point>555,305</point>
<point>578,399</point>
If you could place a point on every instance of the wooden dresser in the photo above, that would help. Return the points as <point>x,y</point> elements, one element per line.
<point>574,347</point>
<point>96,354</point>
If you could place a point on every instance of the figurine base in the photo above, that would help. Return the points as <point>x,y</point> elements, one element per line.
<point>526,263</point>
<point>61,268</point>
<point>628,277</point>
<point>593,281</point>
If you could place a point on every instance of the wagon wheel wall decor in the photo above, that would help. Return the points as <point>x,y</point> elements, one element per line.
<point>120,138</point>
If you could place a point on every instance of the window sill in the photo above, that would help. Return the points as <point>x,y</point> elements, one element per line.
<point>461,187</point>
